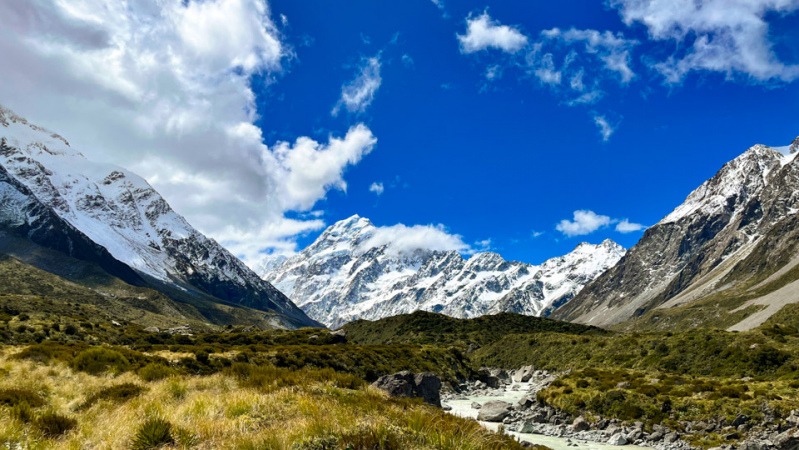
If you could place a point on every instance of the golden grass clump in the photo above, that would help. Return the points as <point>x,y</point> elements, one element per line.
<point>245,407</point>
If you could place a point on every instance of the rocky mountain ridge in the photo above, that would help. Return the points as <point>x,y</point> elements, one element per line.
<point>58,198</point>
<point>342,277</point>
<point>732,233</point>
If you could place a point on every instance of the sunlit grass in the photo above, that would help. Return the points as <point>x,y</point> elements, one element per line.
<point>265,408</point>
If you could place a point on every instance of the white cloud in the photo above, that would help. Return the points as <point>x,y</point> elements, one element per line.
<point>605,128</point>
<point>359,93</point>
<point>612,49</point>
<point>439,4</point>
<point>402,239</point>
<point>483,33</point>
<point>534,234</point>
<point>407,61</point>
<point>585,222</point>
<point>721,35</point>
<point>164,89</point>
<point>546,71</point>
<point>377,188</point>
<point>482,246</point>
<point>587,98</point>
<point>625,226</point>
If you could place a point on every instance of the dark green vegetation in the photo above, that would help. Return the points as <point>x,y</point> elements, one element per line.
<point>423,327</point>
<point>38,279</point>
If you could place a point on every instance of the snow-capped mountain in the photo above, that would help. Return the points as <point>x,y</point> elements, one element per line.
<point>123,217</point>
<point>342,277</point>
<point>736,229</point>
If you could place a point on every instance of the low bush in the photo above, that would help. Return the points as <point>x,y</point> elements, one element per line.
<point>53,425</point>
<point>14,397</point>
<point>153,434</point>
<point>155,372</point>
<point>97,360</point>
<point>115,394</point>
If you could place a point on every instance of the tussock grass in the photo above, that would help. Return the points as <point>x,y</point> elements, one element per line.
<point>245,406</point>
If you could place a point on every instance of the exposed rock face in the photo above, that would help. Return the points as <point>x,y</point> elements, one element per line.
<point>494,411</point>
<point>342,277</point>
<point>739,225</point>
<point>65,202</point>
<point>426,386</point>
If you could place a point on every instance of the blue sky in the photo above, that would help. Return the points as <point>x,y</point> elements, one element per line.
<point>485,124</point>
<point>508,159</point>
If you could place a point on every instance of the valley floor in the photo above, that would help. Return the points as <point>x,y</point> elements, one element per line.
<point>56,405</point>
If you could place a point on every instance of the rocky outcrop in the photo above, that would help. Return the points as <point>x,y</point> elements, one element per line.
<point>738,226</point>
<point>494,411</point>
<point>345,275</point>
<point>426,386</point>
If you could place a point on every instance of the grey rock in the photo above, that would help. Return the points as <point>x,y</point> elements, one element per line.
<point>617,439</point>
<point>788,440</point>
<point>476,405</point>
<point>740,420</point>
<point>426,386</point>
<point>670,438</point>
<point>580,424</point>
<point>494,411</point>
<point>152,330</point>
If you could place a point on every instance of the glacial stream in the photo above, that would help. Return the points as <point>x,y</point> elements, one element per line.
<point>463,408</point>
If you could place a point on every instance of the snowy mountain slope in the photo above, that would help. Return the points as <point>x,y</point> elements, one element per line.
<point>713,243</point>
<point>340,278</point>
<point>120,212</point>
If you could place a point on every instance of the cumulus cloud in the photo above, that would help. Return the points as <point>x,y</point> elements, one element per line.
<point>164,88</point>
<point>713,35</point>
<point>483,33</point>
<point>605,128</point>
<point>359,93</point>
<point>402,239</point>
<point>625,226</point>
<point>377,188</point>
<point>585,222</point>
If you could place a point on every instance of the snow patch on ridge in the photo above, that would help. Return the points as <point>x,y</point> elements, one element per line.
<point>347,274</point>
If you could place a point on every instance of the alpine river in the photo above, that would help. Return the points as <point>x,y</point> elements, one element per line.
<point>463,408</point>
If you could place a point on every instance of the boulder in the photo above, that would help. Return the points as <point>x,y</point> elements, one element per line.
<point>788,440</point>
<point>494,411</point>
<point>740,420</point>
<point>527,402</point>
<point>152,330</point>
<point>523,375</point>
<point>476,405</point>
<point>580,424</point>
<point>617,439</point>
<point>426,386</point>
<point>670,438</point>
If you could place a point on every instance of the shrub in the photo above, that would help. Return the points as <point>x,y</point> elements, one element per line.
<point>53,425</point>
<point>155,372</point>
<point>14,397</point>
<point>98,360</point>
<point>116,394</point>
<point>153,434</point>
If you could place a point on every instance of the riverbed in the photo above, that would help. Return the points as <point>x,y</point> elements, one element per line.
<point>463,408</point>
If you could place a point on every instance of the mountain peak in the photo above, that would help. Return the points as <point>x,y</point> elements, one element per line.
<point>794,147</point>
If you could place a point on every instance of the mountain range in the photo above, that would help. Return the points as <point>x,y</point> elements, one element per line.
<point>726,257</point>
<point>343,276</point>
<point>56,202</point>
